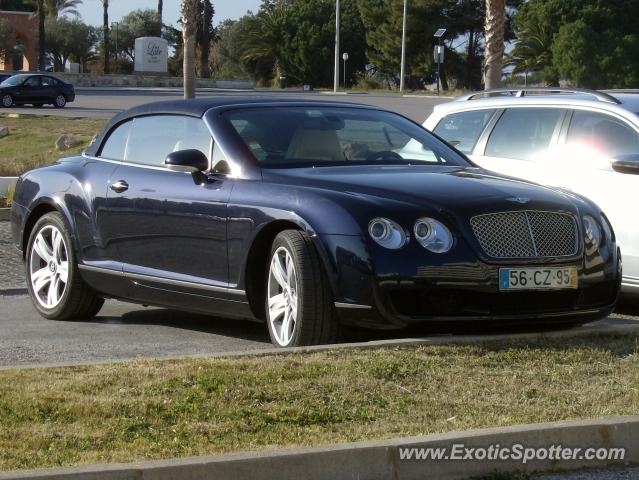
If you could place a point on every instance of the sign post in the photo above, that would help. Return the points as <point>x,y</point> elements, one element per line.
<point>439,52</point>
<point>345,57</point>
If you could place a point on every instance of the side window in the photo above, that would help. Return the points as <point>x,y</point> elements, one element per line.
<point>522,133</point>
<point>154,137</point>
<point>462,130</point>
<point>32,82</point>
<point>115,144</point>
<point>602,133</point>
<point>49,82</point>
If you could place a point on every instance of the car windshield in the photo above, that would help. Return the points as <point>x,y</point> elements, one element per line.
<point>13,81</point>
<point>328,136</point>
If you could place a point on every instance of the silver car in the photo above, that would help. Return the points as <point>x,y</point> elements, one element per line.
<point>586,141</point>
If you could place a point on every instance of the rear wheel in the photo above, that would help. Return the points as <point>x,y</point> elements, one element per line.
<point>7,100</point>
<point>299,306</point>
<point>55,285</point>
<point>60,101</point>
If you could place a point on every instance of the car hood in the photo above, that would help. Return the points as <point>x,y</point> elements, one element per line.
<point>470,189</point>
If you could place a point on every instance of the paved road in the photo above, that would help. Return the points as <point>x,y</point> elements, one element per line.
<point>614,473</point>
<point>104,103</point>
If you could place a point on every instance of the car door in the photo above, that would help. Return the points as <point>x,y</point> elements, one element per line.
<point>29,91</point>
<point>48,88</point>
<point>519,143</point>
<point>171,225</point>
<point>589,143</point>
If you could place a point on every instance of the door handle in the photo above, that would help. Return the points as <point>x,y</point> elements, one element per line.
<point>119,186</point>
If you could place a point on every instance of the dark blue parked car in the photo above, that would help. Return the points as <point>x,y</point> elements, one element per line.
<point>35,89</point>
<point>309,216</point>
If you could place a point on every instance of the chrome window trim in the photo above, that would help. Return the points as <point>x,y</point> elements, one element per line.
<point>167,281</point>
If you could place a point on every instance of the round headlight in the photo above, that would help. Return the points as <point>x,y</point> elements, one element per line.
<point>433,235</point>
<point>387,233</point>
<point>592,230</point>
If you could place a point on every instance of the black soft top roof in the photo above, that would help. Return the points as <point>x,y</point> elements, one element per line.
<point>198,107</point>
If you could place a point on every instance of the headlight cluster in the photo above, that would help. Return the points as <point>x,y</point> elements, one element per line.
<point>431,234</point>
<point>597,232</point>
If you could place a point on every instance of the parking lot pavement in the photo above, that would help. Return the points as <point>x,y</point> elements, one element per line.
<point>120,331</point>
<point>11,267</point>
<point>127,331</point>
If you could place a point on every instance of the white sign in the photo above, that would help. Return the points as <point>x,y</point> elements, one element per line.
<point>151,54</point>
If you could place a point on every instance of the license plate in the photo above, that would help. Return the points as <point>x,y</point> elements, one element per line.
<point>550,278</point>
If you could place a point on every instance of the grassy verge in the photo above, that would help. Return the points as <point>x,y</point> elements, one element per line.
<point>31,140</point>
<point>161,409</point>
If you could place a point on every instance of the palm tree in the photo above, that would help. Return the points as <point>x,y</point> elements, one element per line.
<point>190,14</point>
<point>205,34</point>
<point>261,41</point>
<point>494,35</point>
<point>160,8</point>
<point>55,8</point>
<point>41,36</point>
<point>533,50</point>
<point>105,30</point>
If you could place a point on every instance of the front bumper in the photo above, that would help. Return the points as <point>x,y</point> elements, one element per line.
<point>378,288</point>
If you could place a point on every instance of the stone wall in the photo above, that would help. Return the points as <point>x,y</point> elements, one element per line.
<point>90,80</point>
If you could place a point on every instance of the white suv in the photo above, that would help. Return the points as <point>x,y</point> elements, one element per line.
<point>586,141</point>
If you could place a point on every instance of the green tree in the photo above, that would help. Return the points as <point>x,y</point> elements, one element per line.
<point>533,52</point>
<point>138,23</point>
<point>6,36</point>
<point>205,36</point>
<point>55,8</point>
<point>383,22</point>
<point>296,38</point>
<point>594,42</point>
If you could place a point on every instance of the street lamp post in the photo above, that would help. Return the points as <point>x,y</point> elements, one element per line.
<point>345,57</point>
<point>336,77</point>
<point>403,67</point>
<point>439,52</point>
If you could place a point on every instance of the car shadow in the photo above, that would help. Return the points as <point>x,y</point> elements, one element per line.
<point>240,329</point>
<point>257,332</point>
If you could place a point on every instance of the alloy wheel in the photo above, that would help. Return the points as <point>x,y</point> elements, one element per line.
<point>49,267</point>
<point>60,101</point>
<point>282,296</point>
<point>7,101</point>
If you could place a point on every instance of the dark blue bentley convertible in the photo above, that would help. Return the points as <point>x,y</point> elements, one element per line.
<point>309,216</point>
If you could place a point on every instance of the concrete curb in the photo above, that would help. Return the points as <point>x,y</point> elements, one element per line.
<point>7,292</point>
<point>379,459</point>
<point>394,343</point>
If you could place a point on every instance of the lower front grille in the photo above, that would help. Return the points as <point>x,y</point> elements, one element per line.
<point>526,234</point>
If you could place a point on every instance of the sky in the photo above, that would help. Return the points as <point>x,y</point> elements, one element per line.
<point>91,10</point>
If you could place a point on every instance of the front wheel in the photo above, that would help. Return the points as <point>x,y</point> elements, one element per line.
<point>56,288</point>
<point>7,100</point>
<point>60,101</point>
<point>299,303</point>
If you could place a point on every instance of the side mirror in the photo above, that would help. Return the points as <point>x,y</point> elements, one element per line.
<point>626,164</point>
<point>191,161</point>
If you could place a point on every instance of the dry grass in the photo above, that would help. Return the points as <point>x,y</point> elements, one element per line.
<point>161,409</point>
<point>31,140</point>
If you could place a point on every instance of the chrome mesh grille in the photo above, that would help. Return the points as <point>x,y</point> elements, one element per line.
<point>526,234</point>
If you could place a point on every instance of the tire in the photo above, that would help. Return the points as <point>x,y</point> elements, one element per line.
<point>298,289</point>
<point>60,101</point>
<point>49,260</point>
<point>7,100</point>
